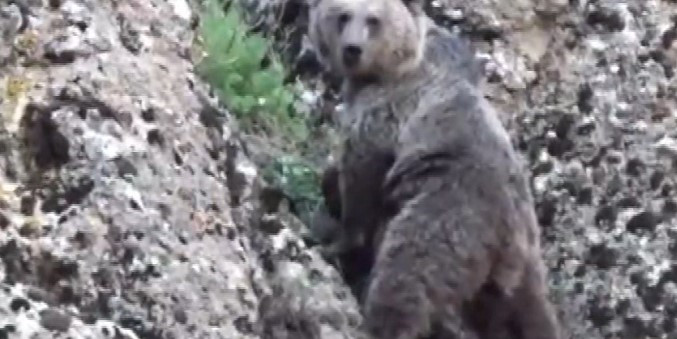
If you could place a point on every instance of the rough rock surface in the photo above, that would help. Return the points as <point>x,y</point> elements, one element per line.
<point>128,205</point>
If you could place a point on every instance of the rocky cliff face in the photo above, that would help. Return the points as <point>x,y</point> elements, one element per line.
<point>129,206</point>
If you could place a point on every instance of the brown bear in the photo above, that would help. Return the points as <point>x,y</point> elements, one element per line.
<point>428,179</point>
<point>489,312</point>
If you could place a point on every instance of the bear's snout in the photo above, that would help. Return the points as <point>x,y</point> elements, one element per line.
<point>351,55</point>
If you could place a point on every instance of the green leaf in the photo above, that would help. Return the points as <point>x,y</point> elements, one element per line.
<point>234,79</point>
<point>248,103</point>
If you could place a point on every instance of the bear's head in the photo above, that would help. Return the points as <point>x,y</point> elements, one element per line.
<point>367,38</point>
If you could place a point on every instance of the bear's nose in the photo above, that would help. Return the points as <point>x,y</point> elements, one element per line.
<point>351,55</point>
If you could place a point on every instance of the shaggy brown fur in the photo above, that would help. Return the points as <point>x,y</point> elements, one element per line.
<point>430,184</point>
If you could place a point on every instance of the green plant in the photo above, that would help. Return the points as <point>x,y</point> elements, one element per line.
<point>248,76</point>
<point>298,180</point>
<point>233,65</point>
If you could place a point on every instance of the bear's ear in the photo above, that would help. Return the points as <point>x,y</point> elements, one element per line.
<point>313,3</point>
<point>414,6</point>
<point>316,37</point>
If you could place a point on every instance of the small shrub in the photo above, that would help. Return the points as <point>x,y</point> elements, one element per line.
<point>248,76</point>
<point>234,66</point>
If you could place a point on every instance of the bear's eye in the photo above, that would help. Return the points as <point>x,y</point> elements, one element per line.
<point>343,19</point>
<point>373,21</point>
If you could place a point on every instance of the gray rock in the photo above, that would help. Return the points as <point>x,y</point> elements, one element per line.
<point>11,21</point>
<point>667,146</point>
<point>55,320</point>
